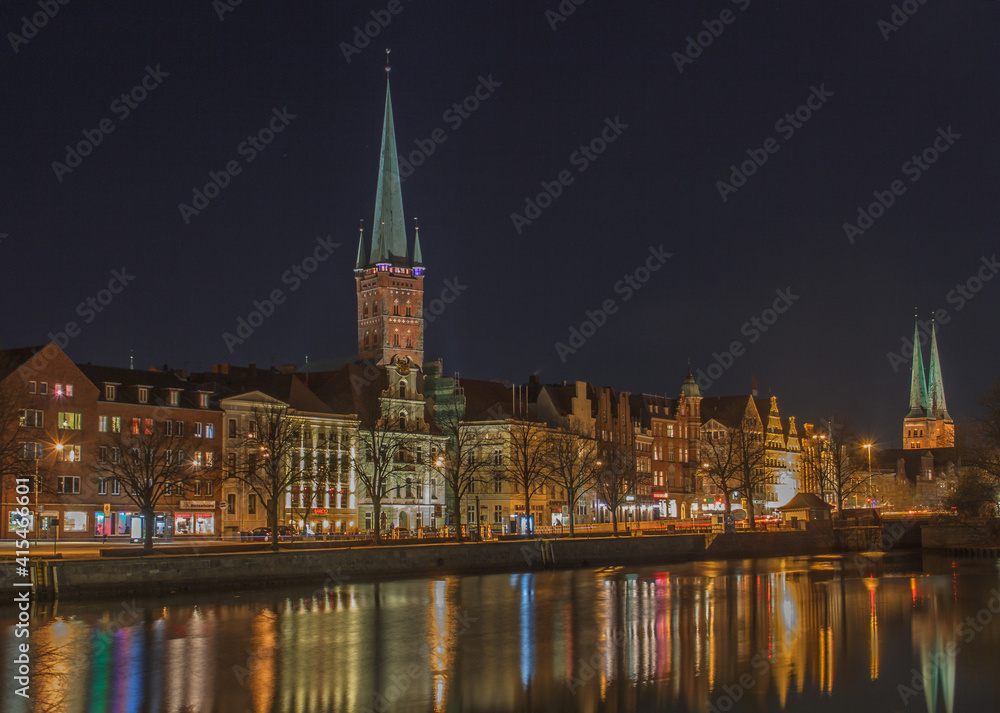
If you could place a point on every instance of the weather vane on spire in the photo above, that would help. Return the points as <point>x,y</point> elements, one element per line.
<point>387,67</point>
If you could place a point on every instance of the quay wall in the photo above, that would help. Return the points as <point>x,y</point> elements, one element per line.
<point>166,574</point>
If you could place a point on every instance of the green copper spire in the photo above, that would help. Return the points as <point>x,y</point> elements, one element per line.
<point>936,385</point>
<point>418,258</point>
<point>389,232</point>
<point>918,383</point>
<point>360,263</point>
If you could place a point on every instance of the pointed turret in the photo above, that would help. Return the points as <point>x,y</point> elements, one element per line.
<point>389,232</point>
<point>360,263</point>
<point>918,382</point>
<point>418,257</point>
<point>936,403</point>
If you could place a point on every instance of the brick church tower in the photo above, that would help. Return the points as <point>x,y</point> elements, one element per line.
<point>928,423</point>
<point>390,283</point>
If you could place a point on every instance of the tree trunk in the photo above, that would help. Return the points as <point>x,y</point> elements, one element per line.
<point>376,521</point>
<point>750,509</point>
<point>148,525</point>
<point>614,521</point>
<point>272,515</point>
<point>527,514</point>
<point>571,504</point>
<point>456,513</point>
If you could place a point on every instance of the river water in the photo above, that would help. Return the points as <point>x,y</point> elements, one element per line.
<point>889,633</point>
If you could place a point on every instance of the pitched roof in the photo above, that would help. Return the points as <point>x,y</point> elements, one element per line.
<point>11,359</point>
<point>727,410</point>
<point>805,501</point>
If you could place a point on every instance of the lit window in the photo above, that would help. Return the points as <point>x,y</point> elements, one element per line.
<point>116,424</point>
<point>69,390</point>
<point>143,394</point>
<point>203,400</point>
<point>57,390</point>
<point>147,426</point>
<point>70,421</point>
<point>174,398</point>
<point>197,430</point>
<point>209,430</point>
<point>110,392</point>
<point>135,425</point>
<point>68,454</point>
<point>209,458</point>
<point>102,424</point>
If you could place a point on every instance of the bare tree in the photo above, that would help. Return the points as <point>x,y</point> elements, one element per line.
<point>848,466</point>
<point>720,463</point>
<point>464,461</point>
<point>150,461</point>
<point>981,448</point>
<point>617,477</point>
<point>265,458</point>
<point>379,457</point>
<point>18,461</point>
<point>751,461</point>
<point>572,464</point>
<point>526,463</point>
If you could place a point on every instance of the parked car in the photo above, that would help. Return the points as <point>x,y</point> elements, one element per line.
<point>264,533</point>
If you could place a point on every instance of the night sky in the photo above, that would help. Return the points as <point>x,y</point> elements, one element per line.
<point>880,93</point>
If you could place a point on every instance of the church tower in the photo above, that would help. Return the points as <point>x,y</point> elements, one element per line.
<point>928,423</point>
<point>390,283</point>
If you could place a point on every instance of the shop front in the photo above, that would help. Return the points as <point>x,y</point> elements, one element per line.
<point>196,518</point>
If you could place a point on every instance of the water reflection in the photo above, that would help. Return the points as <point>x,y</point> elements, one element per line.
<point>753,635</point>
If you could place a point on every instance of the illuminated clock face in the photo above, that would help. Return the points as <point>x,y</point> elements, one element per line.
<point>403,365</point>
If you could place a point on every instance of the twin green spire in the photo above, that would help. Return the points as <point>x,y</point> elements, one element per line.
<point>926,396</point>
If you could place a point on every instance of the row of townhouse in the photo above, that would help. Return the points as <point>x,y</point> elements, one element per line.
<point>69,411</point>
<point>70,417</point>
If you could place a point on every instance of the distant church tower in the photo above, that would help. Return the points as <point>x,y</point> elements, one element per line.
<point>928,424</point>
<point>390,284</point>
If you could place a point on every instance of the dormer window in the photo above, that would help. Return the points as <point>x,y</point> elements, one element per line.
<point>203,400</point>
<point>110,392</point>
<point>143,395</point>
<point>174,398</point>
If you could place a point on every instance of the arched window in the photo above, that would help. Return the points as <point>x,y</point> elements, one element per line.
<point>364,309</point>
<point>402,389</point>
<point>402,420</point>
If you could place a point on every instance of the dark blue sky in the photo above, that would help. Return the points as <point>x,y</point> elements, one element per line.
<point>879,94</point>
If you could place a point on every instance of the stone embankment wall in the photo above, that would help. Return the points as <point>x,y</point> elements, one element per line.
<point>165,574</point>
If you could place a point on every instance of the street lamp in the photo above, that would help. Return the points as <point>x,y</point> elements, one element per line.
<point>868,447</point>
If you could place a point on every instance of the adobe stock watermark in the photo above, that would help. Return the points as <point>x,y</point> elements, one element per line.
<point>248,149</point>
<point>294,277</point>
<point>627,286</point>
<point>581,159</point>
<point>87,309</point>
<point>967,629</point>
<point>364,34</point>
<point>449,293</point>
<point>223,7</point>
<point>959,296</point>
<point>400,683</point>
<point>701,41</point>
<point>753,328</point>
<point>122,107</point>
<point>901,13</point>
<point>786,126</point>
<point>914,169</point>
<point>454,116</point>
<point>31,26</point>
<point>562,12</point>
